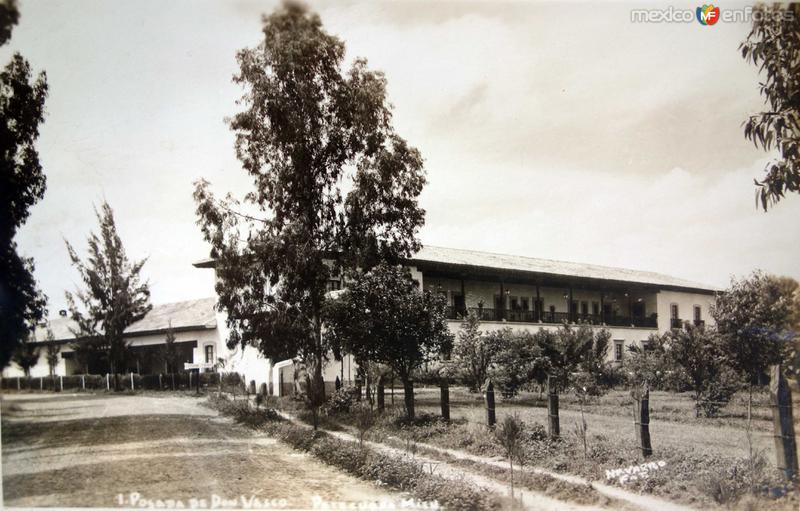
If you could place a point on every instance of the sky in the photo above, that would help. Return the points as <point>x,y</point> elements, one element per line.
<point>554,130</point>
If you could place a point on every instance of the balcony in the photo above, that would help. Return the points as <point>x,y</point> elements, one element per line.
<point>676,323</point>
<point>699,322</point>
<point>522,316</point>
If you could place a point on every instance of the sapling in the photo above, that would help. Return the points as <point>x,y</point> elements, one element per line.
<point>509,434</point>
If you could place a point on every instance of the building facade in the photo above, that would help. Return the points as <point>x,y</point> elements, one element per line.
<point>525,293</point>
<point>198,340</point>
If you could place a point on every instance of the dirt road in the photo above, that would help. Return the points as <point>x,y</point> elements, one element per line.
<point>132,450</point>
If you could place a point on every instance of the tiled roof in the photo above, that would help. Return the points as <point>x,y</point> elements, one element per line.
<point>191,314</point>
<point>488,260</point>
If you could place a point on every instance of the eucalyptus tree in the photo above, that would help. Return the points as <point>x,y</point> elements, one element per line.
<point>773,45</point>
<point>334,187</point>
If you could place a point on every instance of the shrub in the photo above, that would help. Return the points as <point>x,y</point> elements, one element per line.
<point>718,392</point>
<point>341,401</point>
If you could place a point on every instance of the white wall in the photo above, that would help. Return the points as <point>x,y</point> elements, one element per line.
<point>686,303</point>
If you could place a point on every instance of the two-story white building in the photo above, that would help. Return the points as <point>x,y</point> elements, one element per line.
<point>526,293</point>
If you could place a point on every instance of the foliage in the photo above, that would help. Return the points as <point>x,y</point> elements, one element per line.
<point>342,401</point>
<point>566,350</point>
<point>752,318</point>
<point>718,391</point>
<point>473,352</point>
<point>650,366</point>
<point>773,45</point>
<point>114,296</point>
<point>595,362</point>
<point>26,355</point>
<point>22,184</point>
<point>383,317</point>
<point>52,351</point>
<point>518,360</point>
<point>698,351</point>
<point>509,434</point>
<point>791,353</point>
<point>168,352</point>
<point>333,183</point>
<point>364,419</point>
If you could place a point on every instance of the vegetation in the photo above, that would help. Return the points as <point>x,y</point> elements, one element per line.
<point>52,352</point>
<point>168,352</point>
<point>114,296</point>
<point>396,472</point>
<point>22,184</point>
<point>773,45</point>
<point>27,355</point>
<point>473,353</point>
<point>383,318</point>
<point>306,122</point>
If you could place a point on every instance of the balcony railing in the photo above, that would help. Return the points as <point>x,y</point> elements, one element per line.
<point>676,323</point>
<point>521,316</point>
<point>699,322</point>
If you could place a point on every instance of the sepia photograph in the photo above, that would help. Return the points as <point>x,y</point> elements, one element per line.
<point>480,255</point>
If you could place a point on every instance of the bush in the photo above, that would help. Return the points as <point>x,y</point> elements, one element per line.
<point>718,392</point>
<point>341,402</point>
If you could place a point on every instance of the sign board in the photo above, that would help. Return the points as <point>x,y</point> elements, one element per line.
<point>188,366</point>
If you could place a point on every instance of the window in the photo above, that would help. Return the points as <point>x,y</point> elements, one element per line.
<point>647,345</point>
<point>618,345</point>
<point>697,313</point>
<point>523,303</point>
<point>595,308</point>
<point>673,311</point>
<point>333,285</point>
<point>585,308</point>
<point>209,354</point>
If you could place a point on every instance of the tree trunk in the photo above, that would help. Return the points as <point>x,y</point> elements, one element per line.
<point>408,397</point>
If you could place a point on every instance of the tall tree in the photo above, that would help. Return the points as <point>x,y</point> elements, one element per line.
<point>774,46</point>
<point>334,187</point>
<point>384,317</point>
<point>22,184</point>
<point>114,296</point>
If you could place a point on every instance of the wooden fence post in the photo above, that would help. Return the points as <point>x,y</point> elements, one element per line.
<point>61,383</point>
<point>381,395</point>
<point>553,426</point>
<point>489,397</point>
<point>108,383</point>
<point>780,396</point>
<point>41,383</point>
<point>18,383</point>
<point>83,382</point>
<point>445,399</point>
<point>641,415</point>
<point>131,380</point>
